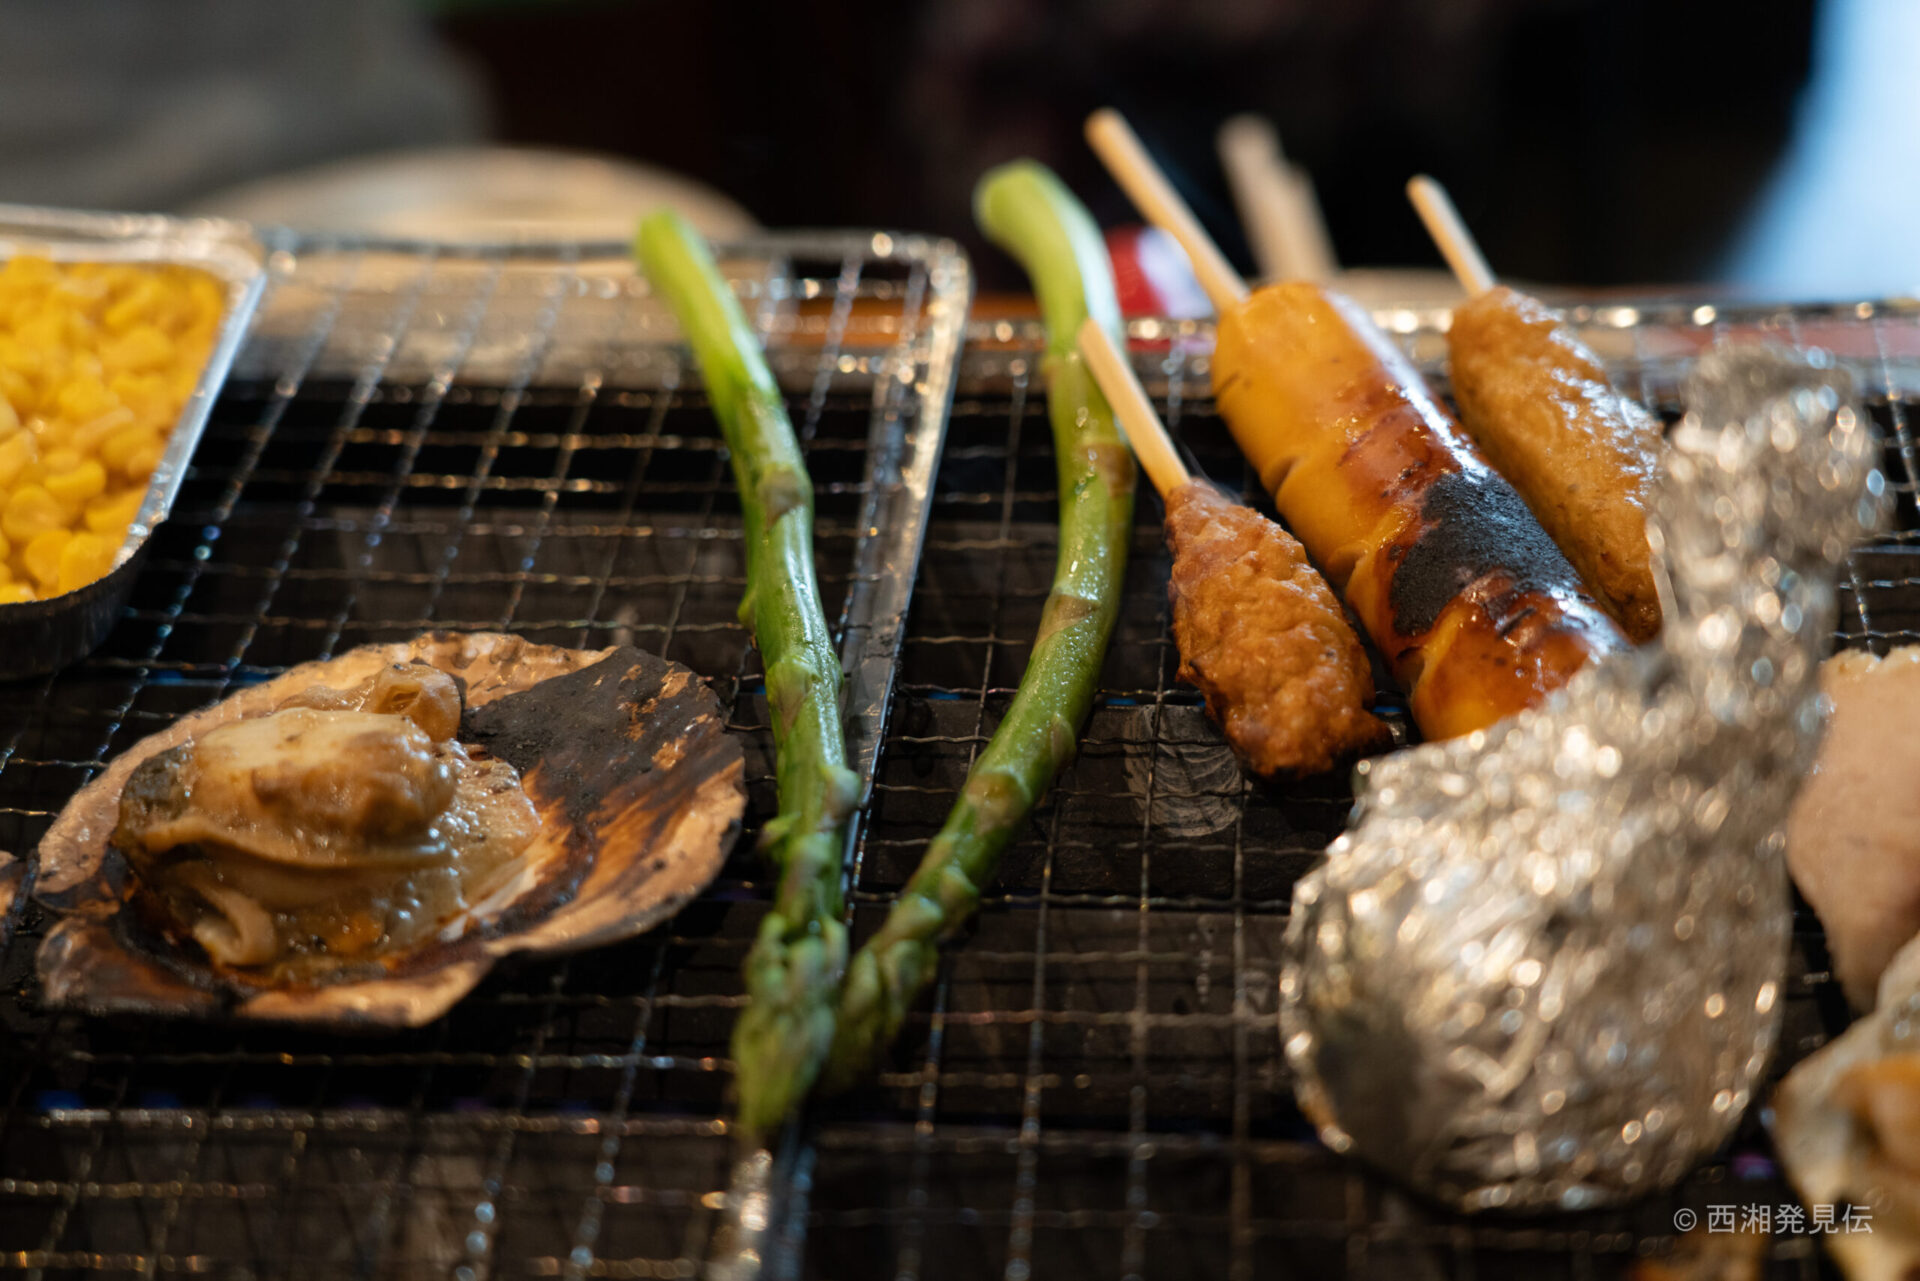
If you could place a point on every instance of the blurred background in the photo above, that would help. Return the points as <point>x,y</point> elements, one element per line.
<point>1767,146</point>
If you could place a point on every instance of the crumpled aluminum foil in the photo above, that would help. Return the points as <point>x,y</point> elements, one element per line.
<point>1543,966</point>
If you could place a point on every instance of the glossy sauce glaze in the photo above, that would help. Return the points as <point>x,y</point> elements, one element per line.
<point>1476,610</point>
<point>324,833</point>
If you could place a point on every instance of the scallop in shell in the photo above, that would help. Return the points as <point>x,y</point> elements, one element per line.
<point>636,794</point>
<point>1846,1123</point>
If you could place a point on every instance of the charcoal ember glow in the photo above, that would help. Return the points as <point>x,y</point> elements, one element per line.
<point>1543,966</point>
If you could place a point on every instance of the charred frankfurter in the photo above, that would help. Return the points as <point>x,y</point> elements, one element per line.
<point>1477,611</point>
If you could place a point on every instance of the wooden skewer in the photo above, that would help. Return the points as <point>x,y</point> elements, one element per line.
<point>1144,430</point>
<point>1119,148</point>
<point>1276,202</point>
<point>1450,233</point>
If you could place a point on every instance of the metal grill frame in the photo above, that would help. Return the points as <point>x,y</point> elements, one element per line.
<point>401,412</point>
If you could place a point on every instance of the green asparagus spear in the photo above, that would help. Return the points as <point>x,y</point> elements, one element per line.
<point>794,968</point>
<point>1023,208</point>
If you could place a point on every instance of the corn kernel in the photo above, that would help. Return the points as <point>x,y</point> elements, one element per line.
<point>42,557</point>
<point>16,451</point>
<point>87,437</point>
<point>141,462</point>
<point>123,444</point>
<point>85,364</point>
<point>84,558</point>
<point>112,514</point>
<point>206,298</point>
<point>42,329</point>
<point>144,347</point>
<point>52,433</point>
<point>83,398</point>
<point>96,362</point>
<point>80,485</point>
<point>31,511</point>
<point>12,593</point>
<point>137,302</point>
<point>18,388</point>
<point>27,270</point>
<point>141,391</point>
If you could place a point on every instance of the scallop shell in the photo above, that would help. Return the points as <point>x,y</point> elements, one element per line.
<point>1826,1152</point>
<point>626,757</point>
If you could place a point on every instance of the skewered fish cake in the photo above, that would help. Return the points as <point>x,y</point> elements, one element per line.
<point>1263,638</point>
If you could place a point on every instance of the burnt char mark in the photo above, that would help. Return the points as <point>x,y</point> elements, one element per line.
<point>1472,524</point>
<point>578,733</point>
<point>590,745</point>
<point>1400,456</point>
<point>573,724</point>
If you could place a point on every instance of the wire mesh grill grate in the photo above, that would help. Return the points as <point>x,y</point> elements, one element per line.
<point>1095,1085</point>
<point>417,438</point>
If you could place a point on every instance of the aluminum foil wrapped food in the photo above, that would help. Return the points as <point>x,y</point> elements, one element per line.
<point>1543,966</point>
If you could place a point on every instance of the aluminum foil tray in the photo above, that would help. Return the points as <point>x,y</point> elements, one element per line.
<point>43,635</point>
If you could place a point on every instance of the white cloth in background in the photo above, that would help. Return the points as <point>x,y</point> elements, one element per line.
<point>1840,217</point>
<point>144,104</point>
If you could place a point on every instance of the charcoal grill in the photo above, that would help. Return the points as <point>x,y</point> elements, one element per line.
<point>1094,1086</point>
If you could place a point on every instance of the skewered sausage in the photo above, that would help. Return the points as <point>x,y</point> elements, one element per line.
<point>1538,404</point>
<point>1477,611</point>
<point>1264,639</point>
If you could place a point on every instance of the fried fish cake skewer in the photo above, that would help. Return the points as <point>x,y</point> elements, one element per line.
<point>1537,402</point>
<point>1260,632</point>
<point>1475,608</point>
<point>1262,636</point>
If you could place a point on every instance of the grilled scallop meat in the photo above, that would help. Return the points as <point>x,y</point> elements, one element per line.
<point>317,835</point>
<point>358,840</point>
